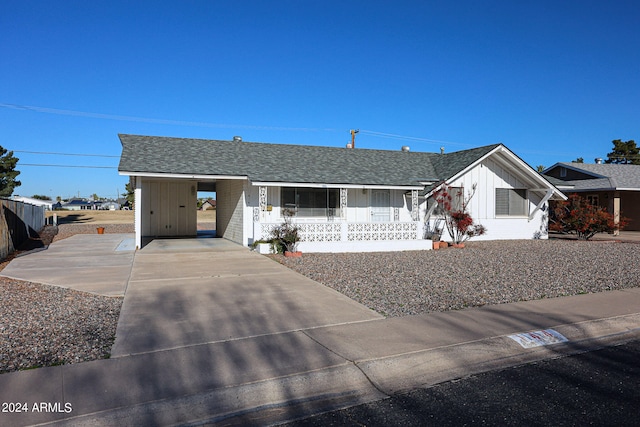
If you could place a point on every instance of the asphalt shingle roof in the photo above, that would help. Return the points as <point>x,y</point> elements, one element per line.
<point>262,162</point>
<point>606,176</point>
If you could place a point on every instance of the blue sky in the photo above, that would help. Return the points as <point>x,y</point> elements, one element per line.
<point>551,80</point>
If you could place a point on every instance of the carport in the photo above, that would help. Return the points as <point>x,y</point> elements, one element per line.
<point>166,179</point>
<point>165,206</point>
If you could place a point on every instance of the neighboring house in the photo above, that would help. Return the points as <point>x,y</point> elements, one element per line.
<point>615,187</point>
<point>110,205</point>
<point>48,204</point>
<point>78,205</point>
<point>208,204</point>
<point>346,200</point>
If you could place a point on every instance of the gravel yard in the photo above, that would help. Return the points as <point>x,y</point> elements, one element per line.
<point>44,325</point>
<point>405,283</point>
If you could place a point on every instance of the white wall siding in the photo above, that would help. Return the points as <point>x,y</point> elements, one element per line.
<point>230,210</point>
<point>358,205</point>
<point>168,208</point>
<point>488,176</point>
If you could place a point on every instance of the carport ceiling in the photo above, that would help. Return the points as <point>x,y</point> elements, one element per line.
<point>208,186</point>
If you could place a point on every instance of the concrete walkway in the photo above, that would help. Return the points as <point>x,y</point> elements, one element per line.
<point>99,264</point>
<point>212,333</point>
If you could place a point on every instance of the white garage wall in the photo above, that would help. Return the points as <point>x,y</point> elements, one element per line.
<point>230,210</point>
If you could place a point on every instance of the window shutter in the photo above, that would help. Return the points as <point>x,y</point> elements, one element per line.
<point>502,201</point>
<point>516,202</point>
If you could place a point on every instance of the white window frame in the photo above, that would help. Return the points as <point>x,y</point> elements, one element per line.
<point>329,212</point>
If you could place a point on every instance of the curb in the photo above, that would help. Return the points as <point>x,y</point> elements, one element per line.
<point>277,400</point>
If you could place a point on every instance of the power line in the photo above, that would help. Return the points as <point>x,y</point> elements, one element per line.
<point>68,166</point>
<point>65,154</point>
<point>409,138</point>
<point>156,121</point>
<point>76,113</point>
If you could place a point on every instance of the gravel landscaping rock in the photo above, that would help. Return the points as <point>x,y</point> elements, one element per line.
<point>42,325</point>
<point>405,283</point>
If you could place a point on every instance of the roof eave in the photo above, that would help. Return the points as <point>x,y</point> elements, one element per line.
<point>179,175</point>
<point>528,170</point>
<point>335,185</point>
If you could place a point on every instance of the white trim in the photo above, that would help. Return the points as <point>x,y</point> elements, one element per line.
<point>524,168</point>
<point>325,185</point>
<point>181,176</point>
<point>137,211</point>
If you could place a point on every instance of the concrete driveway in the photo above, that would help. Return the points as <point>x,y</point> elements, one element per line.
<point>212,333</point>
<point>185,292</point>
<point>96,263</point>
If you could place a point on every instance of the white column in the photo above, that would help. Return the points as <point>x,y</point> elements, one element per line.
<point>137,210</point>
<point>414,206</point>
<point>343,203</point>
<point>616,211</point>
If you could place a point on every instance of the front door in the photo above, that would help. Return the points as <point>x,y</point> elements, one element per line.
<point>380,206</point>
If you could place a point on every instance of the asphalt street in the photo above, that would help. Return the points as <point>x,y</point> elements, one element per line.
<point>600,388</point>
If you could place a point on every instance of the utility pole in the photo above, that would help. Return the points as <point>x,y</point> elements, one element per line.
<point>353,137</point>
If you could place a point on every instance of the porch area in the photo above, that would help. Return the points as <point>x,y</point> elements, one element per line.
<point>342,236</point>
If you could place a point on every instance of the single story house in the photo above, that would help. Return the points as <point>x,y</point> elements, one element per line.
<point>48,204</point>
<point>78,205</point>
<point>208,205</point>
<point>615,187</point>
<point>109,205</point>
<point>345,200</point>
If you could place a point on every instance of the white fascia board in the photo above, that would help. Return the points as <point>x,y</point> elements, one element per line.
<point>324,185</point>
<point>523,167</point>
<point>181,176</point>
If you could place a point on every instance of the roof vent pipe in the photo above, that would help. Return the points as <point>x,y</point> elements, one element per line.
<point>441,150</point>
<point>598,160</point>
<point>406,148</point>
<point>237,139</point>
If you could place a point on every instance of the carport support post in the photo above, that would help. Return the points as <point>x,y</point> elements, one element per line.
<point>137,210</point>
<point>616,212</point>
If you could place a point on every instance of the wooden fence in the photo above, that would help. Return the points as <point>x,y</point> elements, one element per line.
<point>18,222</point>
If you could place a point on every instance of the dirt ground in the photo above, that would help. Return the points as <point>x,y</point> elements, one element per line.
<point>111,217</point>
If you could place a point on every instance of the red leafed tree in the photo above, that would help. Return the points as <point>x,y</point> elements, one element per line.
<point>457,219</point>
<point>576,215</point>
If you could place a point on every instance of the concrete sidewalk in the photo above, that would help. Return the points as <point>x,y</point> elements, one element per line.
<point>223,335</point>
<point>93,263</point>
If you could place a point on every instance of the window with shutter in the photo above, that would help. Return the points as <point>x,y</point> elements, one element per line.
<point>511,202</point>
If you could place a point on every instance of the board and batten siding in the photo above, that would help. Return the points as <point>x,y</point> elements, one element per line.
<point>490,175</point>
<point>230,210</point>
<point>168,208</point>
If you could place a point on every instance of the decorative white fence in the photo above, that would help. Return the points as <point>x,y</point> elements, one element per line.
<point>351,232</point>
<point>382,231</point>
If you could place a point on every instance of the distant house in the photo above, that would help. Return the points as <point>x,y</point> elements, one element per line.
<point>345,200</point>
<point>208,204</point>
<point>109,205</point>
<point>48,204</point>
<point>615,187</point>
<point>78,205</point>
